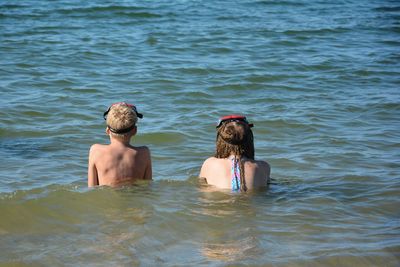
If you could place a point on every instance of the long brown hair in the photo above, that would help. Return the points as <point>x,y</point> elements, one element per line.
<point>235,137</point>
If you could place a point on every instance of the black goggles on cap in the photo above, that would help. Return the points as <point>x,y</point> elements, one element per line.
<point>139,115</point>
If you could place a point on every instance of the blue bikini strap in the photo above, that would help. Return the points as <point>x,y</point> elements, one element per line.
<point>235,174</point>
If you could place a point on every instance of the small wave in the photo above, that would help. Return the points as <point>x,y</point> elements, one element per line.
<point>158,138</point>
<point>24,133</point>
<point>279,3</point>
<point>25,65</point>
<point>33,145</point>
<point>126,11</point>
<point>22,16</point>
<point>387,9</point>
<point>395,43</point>
<point>312,32</point>
<point>386,106</point>
<point>12,6</point>
<point>286,43</point>
<point>99,9</point>
<point>197,71</point>
<point>234,250</point>
<point>327,65</point>
<point>395,29</point>
<point>288,123</point>
<point>229,87</point>
<point>139,14</point>
<point>35,114</point>
<point>82,90</point>
<point>221,50</point>
<point>267,78</point>
<point>192,95</point>
<point>233,18</point>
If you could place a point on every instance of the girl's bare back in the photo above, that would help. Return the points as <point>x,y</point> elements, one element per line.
<point>217,172</point>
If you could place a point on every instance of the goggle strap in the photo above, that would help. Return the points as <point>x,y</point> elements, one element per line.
<point>121,131</point>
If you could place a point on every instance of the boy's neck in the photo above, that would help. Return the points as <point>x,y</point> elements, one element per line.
<point>120,141</point>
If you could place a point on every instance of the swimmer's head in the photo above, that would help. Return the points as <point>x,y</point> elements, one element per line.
<point>234,137</point>
<point>121,118</point>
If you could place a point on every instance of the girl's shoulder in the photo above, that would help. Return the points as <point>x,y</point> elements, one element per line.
<point>213,164</point>
<point>262,164</point>
<point>213,160</point>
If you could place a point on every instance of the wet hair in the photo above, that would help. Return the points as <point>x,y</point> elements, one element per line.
<point>121,119</point>
<point>235,137</point>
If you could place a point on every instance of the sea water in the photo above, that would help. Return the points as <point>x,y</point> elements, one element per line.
<point>319,79</point>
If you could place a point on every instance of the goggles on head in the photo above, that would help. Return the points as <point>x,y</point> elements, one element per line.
<point>139,115</point>
<point>230,118</point>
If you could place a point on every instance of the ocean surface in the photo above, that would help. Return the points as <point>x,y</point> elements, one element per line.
<point>319,79</point>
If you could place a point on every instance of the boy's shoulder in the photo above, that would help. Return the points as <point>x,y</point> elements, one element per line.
<point>141,148</point>
<point>141,151</point>
<point>96,150</point>
<point>96,147</point>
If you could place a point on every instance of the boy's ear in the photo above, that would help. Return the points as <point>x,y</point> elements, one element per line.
<point>134,130</point>
<point>107,130</point>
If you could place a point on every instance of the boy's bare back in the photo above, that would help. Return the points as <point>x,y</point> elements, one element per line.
<point>119,163</point>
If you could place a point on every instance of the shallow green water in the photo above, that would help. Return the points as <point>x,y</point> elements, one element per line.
<point>319,79</point>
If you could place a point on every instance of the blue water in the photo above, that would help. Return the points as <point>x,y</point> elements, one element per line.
<point>319,79</point>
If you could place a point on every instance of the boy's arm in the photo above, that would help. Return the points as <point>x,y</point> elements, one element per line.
<point>148,174</point>
<point>92,171</point>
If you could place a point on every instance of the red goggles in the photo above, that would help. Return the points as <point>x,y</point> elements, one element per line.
<point>139,115</point>
<point>230,118</point>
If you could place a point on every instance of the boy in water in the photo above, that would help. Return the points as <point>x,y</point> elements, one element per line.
<point>119,163</point>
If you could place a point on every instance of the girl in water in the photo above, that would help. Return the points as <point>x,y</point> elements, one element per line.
<point>233,166</point>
